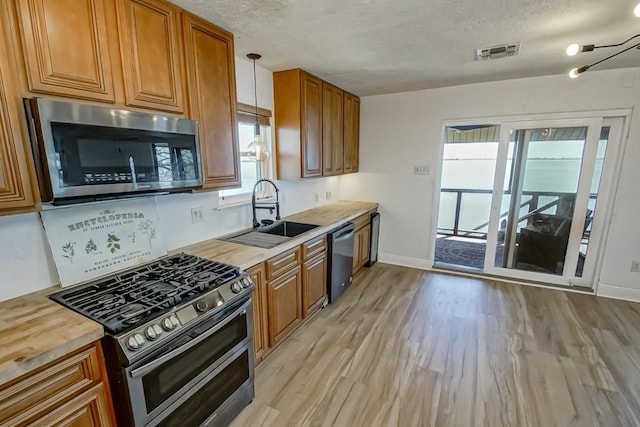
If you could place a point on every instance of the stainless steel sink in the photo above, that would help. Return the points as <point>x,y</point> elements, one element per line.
<point>270,236</point>
<point>286,229</point>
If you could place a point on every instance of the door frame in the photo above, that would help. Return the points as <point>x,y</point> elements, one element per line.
<point>594,127</point>
<point>623,113</point>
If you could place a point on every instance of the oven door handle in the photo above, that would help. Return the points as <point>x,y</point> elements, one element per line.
<point>173,353</point>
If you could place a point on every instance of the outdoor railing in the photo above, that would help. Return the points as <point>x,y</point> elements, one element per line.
<point>531,204</point>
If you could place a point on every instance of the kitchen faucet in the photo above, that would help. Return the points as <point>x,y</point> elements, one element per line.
<point>270,206</point>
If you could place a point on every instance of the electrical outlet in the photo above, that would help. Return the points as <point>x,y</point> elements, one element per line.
<point>635,266</point>
<point>328,195</point>
<point>197,215</point>
<point>421,170</point>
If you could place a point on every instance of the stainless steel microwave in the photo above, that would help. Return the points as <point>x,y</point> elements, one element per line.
<point>86,153</point>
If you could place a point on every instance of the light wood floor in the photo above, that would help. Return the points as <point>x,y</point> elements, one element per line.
<point>406,347</point>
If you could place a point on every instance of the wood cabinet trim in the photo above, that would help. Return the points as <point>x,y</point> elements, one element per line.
<point>29,397</point>
<point>136,94</point>
<point>311,306</point>
<point>219,149</point>
<point>17,176</point>
<point>308,146</point>
<point>43,77</point>
<point>283,262</point>
<point>314,247</point>
<point>260,315</point>
<point>276,335</point>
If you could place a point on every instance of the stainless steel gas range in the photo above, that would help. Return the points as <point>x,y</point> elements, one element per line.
<point>178,342</point>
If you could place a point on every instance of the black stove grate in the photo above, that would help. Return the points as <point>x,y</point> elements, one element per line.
<point>125,299</point>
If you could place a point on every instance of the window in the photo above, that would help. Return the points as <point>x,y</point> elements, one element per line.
<point>250,170</point>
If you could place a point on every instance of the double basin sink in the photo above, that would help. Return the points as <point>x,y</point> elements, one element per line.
<point>270,236</point>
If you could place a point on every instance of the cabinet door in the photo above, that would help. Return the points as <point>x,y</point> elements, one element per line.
<point>90,409</point>
<point>357,247</point>
<point>332,130</point>
<point>365,245</point>
<point>212,99</point>
<point>259,311</point>
<point>16,179</point>
<point>284,301</point>
<point>151,54</point>
<point>351,132</point>
<point>311,126</point>
<point>66,47</point>
<point>314,283</point>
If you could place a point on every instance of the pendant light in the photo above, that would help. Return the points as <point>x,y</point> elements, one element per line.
<point>257,148</point>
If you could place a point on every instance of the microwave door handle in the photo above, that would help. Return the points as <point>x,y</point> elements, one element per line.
<point>159,361</point>
<point>132,168</point>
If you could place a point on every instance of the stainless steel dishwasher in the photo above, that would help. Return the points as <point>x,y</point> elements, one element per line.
<point>340,266</point>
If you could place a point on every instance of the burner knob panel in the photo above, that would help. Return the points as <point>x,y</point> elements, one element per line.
<point>202,306</point>
<point>236,287</point>
<point>135,342</point>
<point>170,323</point>
<point>153,332</point>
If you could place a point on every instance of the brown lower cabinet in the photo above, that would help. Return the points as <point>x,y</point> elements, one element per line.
<point>361,243</point>
<point>314,279</point>
<point>260,319</point>
<point>290,288</point>
<point>284,303</point>
<point>71,391</point>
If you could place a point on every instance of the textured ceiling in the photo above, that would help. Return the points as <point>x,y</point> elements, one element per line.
<point>382,46</point>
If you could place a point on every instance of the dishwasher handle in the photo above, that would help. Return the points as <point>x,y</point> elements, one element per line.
<point>345,233</point>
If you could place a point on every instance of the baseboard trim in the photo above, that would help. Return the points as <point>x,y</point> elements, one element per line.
<point>419,263</point>
<point>616,292</point>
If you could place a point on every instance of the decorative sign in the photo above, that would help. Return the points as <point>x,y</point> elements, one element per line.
<point>94,240</point>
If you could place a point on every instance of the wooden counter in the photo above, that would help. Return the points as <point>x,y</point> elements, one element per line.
<point>35,331</point>
<point>327,217</point>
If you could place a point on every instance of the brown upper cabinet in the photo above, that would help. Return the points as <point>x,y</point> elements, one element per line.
<point>16,174</point>
<point>298,121</point>
<point>311,126</point>
<point>151,54</point>
<point>66,47</point>
<point>332,130</point>
<point>351,132</point>
<point>212,94</point>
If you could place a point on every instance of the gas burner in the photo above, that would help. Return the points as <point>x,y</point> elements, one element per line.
<point>111,301</point>
<point>167,290</point>
<point>145,278</point>
<point>133,313</point>
<point>178,262</point>
<point>206,278</point>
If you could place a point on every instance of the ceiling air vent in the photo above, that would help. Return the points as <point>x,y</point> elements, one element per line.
<point>496,52</point>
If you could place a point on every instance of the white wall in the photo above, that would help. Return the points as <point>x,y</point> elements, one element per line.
<point>401,130</point>
<point>25,263</point>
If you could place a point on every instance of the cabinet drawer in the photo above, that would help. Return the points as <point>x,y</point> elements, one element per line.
<point>314,247</point>
<point>283,262</point>
<point>40,392</point>
<point>361,221</point>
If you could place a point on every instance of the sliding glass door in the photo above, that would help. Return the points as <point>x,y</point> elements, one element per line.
<point>542,223</point>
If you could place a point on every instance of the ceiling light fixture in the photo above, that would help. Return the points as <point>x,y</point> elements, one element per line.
<point>574,49</point>
<point>257,148</point>
<point>636,11</point>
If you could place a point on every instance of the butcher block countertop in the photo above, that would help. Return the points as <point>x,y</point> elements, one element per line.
<point>35,331</point>
<point>327,217</point>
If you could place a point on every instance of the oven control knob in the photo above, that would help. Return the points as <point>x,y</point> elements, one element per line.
<point>202,306</point>
<point>151,333</point>
<point>170,323</point>
<point>236,287</point>
<point>135,342</point>
<point>246,283</point>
